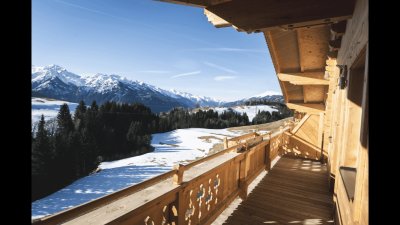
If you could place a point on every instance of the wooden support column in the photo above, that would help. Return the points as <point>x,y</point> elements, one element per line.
<point>225,143</point>
<point>180,205</point>
<point>320,129</point>
<point>243,167</point>
<point>178,176</point>
<point>268,156</point>
<point>321,134</point>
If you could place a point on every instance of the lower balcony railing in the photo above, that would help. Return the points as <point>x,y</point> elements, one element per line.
<point>195,193</point>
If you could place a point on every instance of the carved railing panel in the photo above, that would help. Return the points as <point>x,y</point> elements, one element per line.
<point>204,196</point>
<point>160,211</point>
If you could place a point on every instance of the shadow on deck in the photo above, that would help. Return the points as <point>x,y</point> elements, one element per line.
<point>294,192</point>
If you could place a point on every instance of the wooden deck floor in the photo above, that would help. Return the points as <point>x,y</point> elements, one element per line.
<point>294,192</point>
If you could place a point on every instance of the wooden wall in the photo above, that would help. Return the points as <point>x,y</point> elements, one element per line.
<point>346,122</point>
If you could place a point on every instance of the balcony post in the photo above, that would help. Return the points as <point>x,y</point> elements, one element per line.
<point>178,176</point>
<point>243,177</point>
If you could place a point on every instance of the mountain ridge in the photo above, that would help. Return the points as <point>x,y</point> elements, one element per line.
<point>56,82</point>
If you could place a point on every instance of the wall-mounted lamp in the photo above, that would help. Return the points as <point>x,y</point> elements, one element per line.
<point>330,139</point>
<point>342,76</point>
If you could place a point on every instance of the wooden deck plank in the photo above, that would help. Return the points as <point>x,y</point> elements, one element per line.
<point>295,191</point>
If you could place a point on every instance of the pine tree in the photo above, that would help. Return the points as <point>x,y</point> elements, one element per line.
<point>64,120</point>
<point>79,115</point>
<point>133,136</point>
<point>41,151</point>
<point>245,119</point>
<point>42,156</point>
<point>94,106</point>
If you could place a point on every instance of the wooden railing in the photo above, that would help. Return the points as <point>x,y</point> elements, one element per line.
<point>196,193</point>
<point>295,146</point>
<point>241,139</point>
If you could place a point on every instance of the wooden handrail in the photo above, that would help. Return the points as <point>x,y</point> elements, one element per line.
<point>209,157</point>
<point>246,136</point>
<point>96,203</point>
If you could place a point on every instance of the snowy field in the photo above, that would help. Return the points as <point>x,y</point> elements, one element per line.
<point>251,111</point>
<point>178,146</point>
<point>49,108</point>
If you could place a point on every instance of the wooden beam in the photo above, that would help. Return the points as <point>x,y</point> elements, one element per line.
<point>216,20</point>
<point>307,108</point>
<point>320,130</point>
<point>299,44</point>
<point>196,3</point>
<point>274,57</point>
<point>302,121</point>
<point>314,78</point>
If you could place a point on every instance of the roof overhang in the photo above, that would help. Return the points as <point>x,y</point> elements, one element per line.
<point>301,36</point>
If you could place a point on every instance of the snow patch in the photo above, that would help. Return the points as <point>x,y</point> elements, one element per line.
<point>48,107</point>
<point>178,146</point>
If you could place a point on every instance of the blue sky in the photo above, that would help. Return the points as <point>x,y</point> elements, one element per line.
<point>166,45</point>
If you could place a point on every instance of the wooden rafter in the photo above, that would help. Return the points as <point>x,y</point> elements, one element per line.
<point>274,57</point>
<point>314,78</point>
<point>307,108</point>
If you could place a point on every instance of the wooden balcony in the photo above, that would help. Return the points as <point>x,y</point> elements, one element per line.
<point>201,192</point>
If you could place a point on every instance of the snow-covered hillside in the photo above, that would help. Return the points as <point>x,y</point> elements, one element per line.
<point>178,146</point>
<point>251,111</point>
<point>186,141</point>
<point>48,107</point>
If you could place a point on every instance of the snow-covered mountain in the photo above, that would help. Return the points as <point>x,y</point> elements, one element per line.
<point>270,96</point>
<point>56,82</point>
<point>200,100</point>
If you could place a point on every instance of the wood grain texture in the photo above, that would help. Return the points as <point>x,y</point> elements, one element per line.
<point>294,191</point>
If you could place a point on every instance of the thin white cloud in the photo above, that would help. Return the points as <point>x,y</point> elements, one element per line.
<point>222,78</point>
<point>227,50</point>
<point>155,71</point>
<point>94,11</point>
<point>186,74</point>
<point>81,7</point>
<point>220,67</point>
